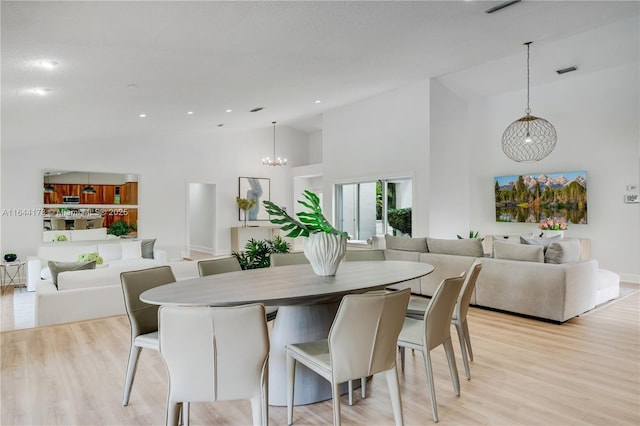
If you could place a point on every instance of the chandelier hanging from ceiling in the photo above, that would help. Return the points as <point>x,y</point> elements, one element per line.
<point>529,138</point>
<point>275,161</point>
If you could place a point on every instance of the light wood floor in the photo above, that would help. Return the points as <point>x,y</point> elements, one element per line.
<point>526,372</point>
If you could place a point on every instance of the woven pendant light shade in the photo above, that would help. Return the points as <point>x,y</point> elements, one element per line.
<point>529,138</point>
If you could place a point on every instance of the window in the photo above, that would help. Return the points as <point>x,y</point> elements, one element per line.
<point>363,208</point>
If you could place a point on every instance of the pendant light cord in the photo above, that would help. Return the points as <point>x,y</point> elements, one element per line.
<point>528,110</point>
<point>274,140</point>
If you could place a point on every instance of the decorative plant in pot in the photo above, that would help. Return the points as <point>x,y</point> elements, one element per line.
<point>324,245</point>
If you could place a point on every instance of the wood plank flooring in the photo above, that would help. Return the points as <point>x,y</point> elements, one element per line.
<point>525,372</point>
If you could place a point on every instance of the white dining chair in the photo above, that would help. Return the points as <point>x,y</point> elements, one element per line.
<point>432,331</point>
<point>143,317</point>
<point>361,343</point>
<point>417,306</point>
<point>215,354</point>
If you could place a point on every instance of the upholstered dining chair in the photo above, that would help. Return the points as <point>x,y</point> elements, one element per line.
<point>80,223</point>
<point>285,259</point>
<point>417,306</point>
<point>228,264</point>
<point>362,342</point>
<point>432,331</point>
<point>209,360</point>
<point>58,224</point>
<point>218,266</point>
<point>143,317</point>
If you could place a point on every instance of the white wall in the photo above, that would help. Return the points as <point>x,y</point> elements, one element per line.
<point>449,168</point>
<point>164,167</point>
<point>451,148</point>
<point>382,137</point>
<point>596,117</point>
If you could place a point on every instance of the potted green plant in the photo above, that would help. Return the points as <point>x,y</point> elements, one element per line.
<point>257,253</point>
<point>324,245</point>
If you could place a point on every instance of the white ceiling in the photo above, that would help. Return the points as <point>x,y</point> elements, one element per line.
<point>210,56</point>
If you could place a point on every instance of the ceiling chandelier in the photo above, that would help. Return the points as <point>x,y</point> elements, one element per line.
<point>529,138</point>
<point>276,161</point>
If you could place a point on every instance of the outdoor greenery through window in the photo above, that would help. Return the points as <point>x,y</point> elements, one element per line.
<point>365,209</point>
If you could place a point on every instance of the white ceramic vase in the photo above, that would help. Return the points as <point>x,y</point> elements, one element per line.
<point>325,252</point>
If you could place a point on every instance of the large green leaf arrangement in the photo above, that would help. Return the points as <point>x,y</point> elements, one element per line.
<point>309,222</point>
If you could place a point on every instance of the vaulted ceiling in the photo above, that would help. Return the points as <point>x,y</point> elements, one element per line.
<point>119,59</point>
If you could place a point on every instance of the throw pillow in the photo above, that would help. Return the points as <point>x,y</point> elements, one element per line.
<point>57,267</point>
<point>88,257</point>
<point>544,242</point>
<point>405,243</point>
<point>465,247</point>
<point>147,248</point>
<point>131,250</point>
<point>522,252</point>
<point>563,252</point>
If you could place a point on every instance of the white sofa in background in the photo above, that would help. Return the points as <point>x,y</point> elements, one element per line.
<point>522,283</point>
<point>91,293</point>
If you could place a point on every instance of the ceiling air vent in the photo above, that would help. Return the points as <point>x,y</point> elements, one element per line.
<point>566,70</point>
<point>501,6</point>
<point>257,109</point>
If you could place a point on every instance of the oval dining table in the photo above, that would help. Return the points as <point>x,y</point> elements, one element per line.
<point>307,304</point>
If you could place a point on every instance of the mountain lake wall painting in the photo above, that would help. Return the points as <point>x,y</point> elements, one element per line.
<point>533,198</point>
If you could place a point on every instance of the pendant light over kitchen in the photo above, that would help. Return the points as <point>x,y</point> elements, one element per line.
<point>88,189</point>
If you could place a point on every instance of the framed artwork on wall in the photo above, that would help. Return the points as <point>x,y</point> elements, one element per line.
<point>253,188</point>
<point>537,197</point>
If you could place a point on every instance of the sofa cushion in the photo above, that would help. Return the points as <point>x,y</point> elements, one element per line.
<point>563,252</point>
<point>131,250</point>
<point>405,244</point>
<point>147,248</point>
<point>538,241</point>
<point>465,247</point>
<point>523,252</point>
<point>58,267</point>
<point>110,251</point>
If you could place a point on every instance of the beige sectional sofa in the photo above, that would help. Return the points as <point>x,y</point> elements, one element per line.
<point>522,283</point>
<point>91,293</point>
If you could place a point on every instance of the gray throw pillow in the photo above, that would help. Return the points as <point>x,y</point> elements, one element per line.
<point>405,243</point>
<point>57,267</point>
<point>522,252</point>
<point>563,252</point>
<point>544,242</point>
<point>147,248</point>
<point>465,247</point>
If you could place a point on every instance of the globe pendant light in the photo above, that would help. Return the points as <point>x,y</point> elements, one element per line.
<point>276,161</point>
<point>88,189</point>
<point>529,138</point>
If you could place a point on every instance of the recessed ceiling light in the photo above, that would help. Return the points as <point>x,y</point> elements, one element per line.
<point>142,115</point>
<point>228,110</point>
<point>317,101</point>
<point>132,86</point>
<point>46,64</point>
<point>189,112</point>
<point>221,124</point>
<point>39,91</point>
